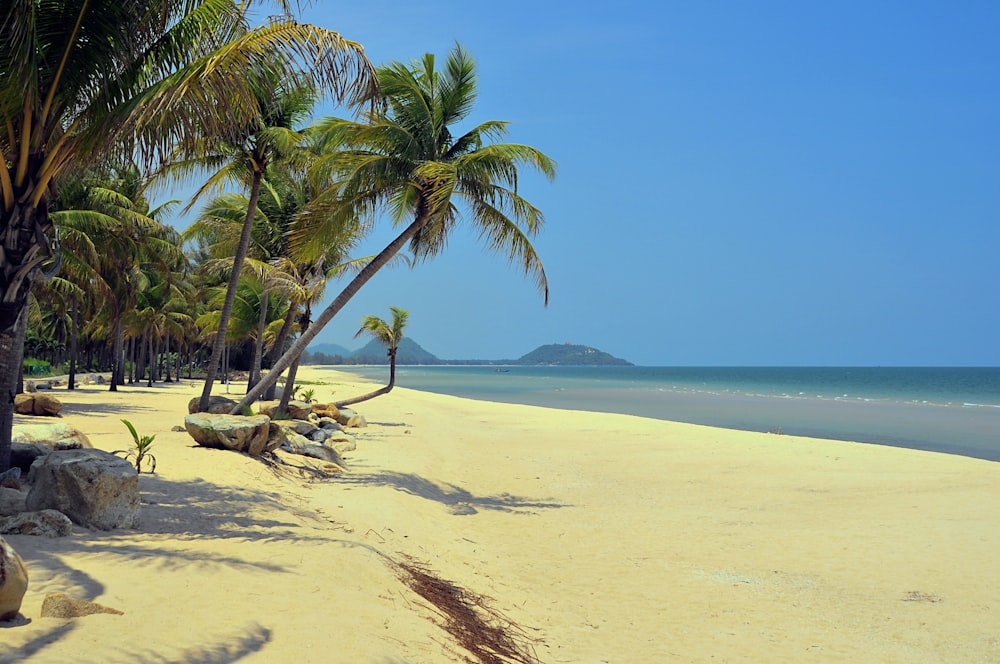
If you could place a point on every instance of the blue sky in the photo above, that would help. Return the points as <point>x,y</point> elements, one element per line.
<point>740,183</point>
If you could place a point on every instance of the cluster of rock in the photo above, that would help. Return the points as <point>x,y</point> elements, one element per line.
<point>37,403</point>
<point>65,481</point>
<point>313,430</point>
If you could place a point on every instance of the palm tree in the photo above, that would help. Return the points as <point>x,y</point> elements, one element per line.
<point>83,78</point>
<point>405,158</point>
<point>389,335</point>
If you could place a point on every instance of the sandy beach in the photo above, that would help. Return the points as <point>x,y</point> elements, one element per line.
<point>600,538</point>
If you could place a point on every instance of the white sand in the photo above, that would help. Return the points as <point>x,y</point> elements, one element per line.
<point>606,538</point>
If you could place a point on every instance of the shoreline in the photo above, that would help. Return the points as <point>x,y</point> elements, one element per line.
<point>949,429</point>
<point>605,537</point>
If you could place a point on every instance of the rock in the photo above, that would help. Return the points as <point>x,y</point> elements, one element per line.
<point>48,523</point>
<point>177,427</point>
<point>318,435</point>
<point>342,443</point>
<point>13,581</point>
<point>37,404</point>
<point>330,424</point>
<point>250,435</point>
<point>57,435</point>
<point>357,421</point>
<point>297,444</point>
<point>93,488</point>
<point>22,455</point>
<point>12,501</point>
<point>97,379</point>
<point>301,427</point>
<point>217,404</point>
<point>297,410</point>
<point>326,410</point>
<point>43,385</point>
<point>276,436</point>
<point>60,605</point>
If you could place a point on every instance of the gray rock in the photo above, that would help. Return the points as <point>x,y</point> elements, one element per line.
<point>47,523</point>
<point>22,455</point>
<point>12,501</point>
<point>13,581</point>
<point>297,444</point>
<point>250,435</point>
<point>318,435</point>
<point>92,487</point>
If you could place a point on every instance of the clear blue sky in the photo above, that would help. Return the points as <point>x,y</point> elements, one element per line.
<point>740,183</point>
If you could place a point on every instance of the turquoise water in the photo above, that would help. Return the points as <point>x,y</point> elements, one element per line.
<point>953,410</point>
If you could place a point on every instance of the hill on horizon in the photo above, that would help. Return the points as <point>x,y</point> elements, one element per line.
<point>410,352</point>
<point>571,355</point>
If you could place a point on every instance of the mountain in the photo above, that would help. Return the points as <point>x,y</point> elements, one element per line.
<point>330,349</point>
<point>571,355</point>
<point>409,352</point>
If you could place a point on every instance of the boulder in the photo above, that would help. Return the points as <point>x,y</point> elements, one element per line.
<point>37,404</point>
<point>48,523</point>
<point>217,404</point>
<point>57,435</point>
<point>60,605</point>
<point>318,435</point>
<point>356,422</point>
<point>92,487</point>
<point>341,442</point>
<point>13,581</point>
<point>250,435</point>
<point>297,410</point>
<point>12,501</point>
<point>297,444</point>
<point>301,427</point>
<point>326,410</point>
<point>22,455</point>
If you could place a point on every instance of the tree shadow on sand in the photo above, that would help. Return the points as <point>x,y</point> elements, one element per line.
<point>460,501</point>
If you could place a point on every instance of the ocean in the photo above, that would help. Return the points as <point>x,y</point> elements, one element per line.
<point>941,409</point>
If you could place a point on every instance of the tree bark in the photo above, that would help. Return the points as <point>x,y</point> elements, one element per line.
<point>377,393</point>
<point>11,358</point>
<point>258,347</point>
<point>279,344</point>
<point>227,306</point>
<point>327,314</point>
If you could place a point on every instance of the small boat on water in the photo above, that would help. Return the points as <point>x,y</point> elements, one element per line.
<point>502,370</point>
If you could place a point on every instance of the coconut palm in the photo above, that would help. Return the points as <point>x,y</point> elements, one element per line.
<point>404,158</point>
<point>389,335</point>
<point>82,78</point>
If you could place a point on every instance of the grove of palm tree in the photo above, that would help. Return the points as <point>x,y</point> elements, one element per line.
<point>103,103</point>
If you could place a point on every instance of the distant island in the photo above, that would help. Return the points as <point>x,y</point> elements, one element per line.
<point>410,352</point>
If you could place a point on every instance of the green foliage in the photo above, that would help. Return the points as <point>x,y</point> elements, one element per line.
<point>307,394</point>
<point>140,452</point>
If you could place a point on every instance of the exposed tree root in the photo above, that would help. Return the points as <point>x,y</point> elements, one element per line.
<point>483,631</point>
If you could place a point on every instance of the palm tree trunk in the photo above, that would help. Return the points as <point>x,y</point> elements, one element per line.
<point>73,343</point>
<point>166,356</point>
<point>258,347</point>
<point>11,361</point>
<point>279,343</point>
<point>377,393</point>
<point>234,280</point>
<point>117,356</point>
<point>332,310</point>
<point>152,362</point>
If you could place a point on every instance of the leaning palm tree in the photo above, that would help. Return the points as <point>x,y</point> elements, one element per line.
<point>80,79</point>
<point>389,335</point>
<point>406,159</point>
